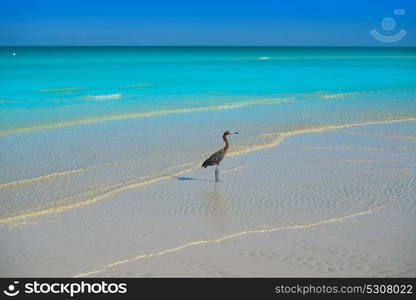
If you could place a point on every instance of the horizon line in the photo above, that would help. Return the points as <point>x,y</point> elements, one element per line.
<point>236,46</point>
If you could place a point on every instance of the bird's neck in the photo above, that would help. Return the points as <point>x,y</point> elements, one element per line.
<point>227,143</point>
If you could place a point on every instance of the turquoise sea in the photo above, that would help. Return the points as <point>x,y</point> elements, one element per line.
<point>126,112</point>
<point>50,86</point>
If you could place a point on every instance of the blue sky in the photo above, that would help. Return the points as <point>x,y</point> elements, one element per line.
<point>206,22</point>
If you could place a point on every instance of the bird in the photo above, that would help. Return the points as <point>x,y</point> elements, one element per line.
<point>218,156</point>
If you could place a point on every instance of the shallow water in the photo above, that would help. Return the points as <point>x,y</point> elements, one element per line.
<point>128,128</point>
<point>90,118</point>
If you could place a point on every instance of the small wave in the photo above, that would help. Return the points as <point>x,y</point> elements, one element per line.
<point>348,125</point>
<point>40,178</point>
<point>231,236</point>
<point>236,169</point>
<point>141,85</point>
<point>142,115</point>
<point>270,101</point>
<point>98,195</point>
<point>263,57</point>
<point>340,95</point>
<point>363,161</point>
<point>103,97</point>
<point>336,95</point>
<point>391,136</point>
<point>61,90</point>
<point>279,137</point>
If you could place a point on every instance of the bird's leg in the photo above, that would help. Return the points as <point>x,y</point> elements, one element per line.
<point>217,177</point>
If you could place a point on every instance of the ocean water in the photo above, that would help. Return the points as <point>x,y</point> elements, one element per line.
<point>48,87</point>
<point>98,118</point>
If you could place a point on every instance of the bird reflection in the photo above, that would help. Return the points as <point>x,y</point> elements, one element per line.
<point>217,206</point>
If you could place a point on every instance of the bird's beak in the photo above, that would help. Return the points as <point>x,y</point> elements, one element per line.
<point>234,132</point>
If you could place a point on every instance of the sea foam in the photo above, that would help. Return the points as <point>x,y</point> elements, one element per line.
<point>104,97</point>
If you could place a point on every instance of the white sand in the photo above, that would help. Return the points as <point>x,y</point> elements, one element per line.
<point>331,203</point>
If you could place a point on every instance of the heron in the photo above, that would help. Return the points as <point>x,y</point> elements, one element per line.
<point>217,157</point>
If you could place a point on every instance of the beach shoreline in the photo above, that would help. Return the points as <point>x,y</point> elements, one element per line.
<point>321,203</point>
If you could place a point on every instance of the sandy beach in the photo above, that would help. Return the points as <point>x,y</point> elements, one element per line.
<point>321,201</point>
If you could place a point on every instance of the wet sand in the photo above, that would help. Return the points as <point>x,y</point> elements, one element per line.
<point>328,201</point>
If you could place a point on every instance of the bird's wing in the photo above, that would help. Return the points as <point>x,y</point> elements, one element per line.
<point>218,156</point>
<point>215,158</point>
